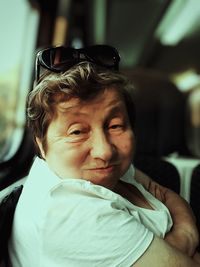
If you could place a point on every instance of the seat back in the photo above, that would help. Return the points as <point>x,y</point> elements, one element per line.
<point>193,121</point>
<point>160,109</point>
<point>7,210</point>
<point>195,194</point>
<point>161,171</point>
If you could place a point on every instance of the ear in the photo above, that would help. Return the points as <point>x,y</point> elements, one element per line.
<point>39,143</point>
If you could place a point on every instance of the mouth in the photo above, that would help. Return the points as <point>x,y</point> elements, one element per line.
<point>103,175</point>
<point>109,168</point>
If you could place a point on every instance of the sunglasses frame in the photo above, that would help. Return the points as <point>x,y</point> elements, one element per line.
<point>76,58</point>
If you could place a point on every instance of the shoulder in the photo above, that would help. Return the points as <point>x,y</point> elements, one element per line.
<point>142,178</point>
<point>85,221</point>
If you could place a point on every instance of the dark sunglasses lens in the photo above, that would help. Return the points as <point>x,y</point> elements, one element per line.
<point>57,58</point>
<point>104,55</point>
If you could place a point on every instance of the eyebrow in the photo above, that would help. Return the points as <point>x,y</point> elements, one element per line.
<point>116,109</point>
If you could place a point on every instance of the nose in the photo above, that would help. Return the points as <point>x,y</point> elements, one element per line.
<point>102,147</point>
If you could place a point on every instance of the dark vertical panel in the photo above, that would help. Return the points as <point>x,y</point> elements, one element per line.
<point>47,10</point>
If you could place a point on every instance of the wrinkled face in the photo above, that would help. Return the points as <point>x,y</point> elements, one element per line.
<point>90,140</point>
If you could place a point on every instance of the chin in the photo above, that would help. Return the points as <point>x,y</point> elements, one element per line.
<point>108,182</point>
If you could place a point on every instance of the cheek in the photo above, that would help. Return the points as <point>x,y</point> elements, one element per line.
<point>65,161</point>
<point>125,148</point>
<point>72,156</point>
<point>127,144</point>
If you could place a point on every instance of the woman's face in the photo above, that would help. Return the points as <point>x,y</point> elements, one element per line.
<point>90,140</point>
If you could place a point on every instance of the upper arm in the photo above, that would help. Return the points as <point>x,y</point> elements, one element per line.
<point>161,254</point>
<point>88,229</point>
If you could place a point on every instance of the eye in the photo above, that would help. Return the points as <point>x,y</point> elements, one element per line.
<point>76,132</point>
<point>116,126</point>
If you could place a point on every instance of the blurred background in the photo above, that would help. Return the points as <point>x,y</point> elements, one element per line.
<point>159,44</point>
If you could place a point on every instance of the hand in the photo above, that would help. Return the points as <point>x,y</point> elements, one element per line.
<point>157,191</point>
<point>184,234</point>
<point>184,224</point>
<point>196,257</point>
<point>183,238</point>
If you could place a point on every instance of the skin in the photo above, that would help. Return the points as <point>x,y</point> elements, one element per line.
<point>161,254</point>
<point>98,146</point>
<point>184,234</point>
<point>179,245</point>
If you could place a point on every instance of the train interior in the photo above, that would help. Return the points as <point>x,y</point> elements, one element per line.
<point>158,41</point>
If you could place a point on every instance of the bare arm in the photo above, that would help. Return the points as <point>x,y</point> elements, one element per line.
<point>184,234</point>
<point>161,254</point>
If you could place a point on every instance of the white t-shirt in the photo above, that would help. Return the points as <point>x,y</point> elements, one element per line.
<point>74,223</point>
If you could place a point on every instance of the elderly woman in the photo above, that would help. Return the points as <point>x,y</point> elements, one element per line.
<point>84,204</point>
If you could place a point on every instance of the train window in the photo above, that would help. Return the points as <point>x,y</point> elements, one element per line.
<point>18,27</point>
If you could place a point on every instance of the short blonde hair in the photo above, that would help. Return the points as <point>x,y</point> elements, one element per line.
<point>84,81</point>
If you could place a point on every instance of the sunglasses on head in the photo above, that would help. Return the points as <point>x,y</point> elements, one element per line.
<point>59,59</point>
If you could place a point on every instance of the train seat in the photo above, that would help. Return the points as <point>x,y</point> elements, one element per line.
<point>159,126</point>
<point>195,194</point>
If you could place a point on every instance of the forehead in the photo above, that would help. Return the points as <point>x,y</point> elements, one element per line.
<point>107,99</point>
